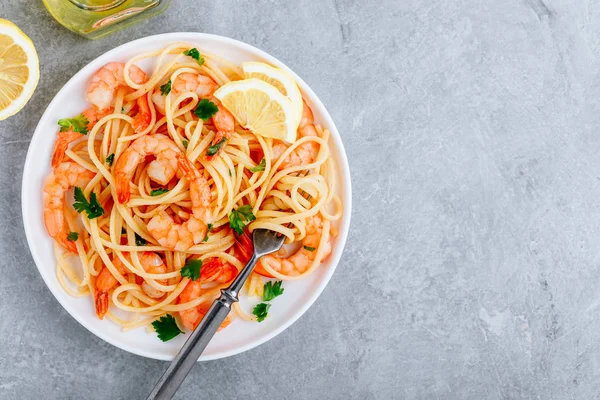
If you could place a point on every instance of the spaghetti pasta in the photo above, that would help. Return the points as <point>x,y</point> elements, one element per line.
<point>143,143</point>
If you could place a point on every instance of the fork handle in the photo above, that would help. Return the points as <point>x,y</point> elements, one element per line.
<point>181,365</point>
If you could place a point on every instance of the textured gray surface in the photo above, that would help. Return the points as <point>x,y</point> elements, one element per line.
<point>472,268</point>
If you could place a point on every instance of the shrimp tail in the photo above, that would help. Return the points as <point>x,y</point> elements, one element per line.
<point>122,185</point>
<point>143,118</point>
<point>63,139</point>
<point>101,304</point>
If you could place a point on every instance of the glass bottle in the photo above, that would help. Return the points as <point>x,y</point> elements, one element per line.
<point>96,18</point>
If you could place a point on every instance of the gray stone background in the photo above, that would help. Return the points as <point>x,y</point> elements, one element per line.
<point>472,267</point>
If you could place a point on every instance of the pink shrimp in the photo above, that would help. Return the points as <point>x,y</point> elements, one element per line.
<point>64,177</point>
<point>299,262</point>
<point>216,272</point>
<point>63,139</point>
<point>307,152</point>
<point>105,281</point>
<point>153,264</point>
<point>181,237</point>
<point>225,124</point>
<point>161,170</point>
<point>107,80</point>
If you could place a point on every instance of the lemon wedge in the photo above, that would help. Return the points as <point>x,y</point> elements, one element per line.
<point>278,78</point>
<point>260,107</point>
<point>19,69</point>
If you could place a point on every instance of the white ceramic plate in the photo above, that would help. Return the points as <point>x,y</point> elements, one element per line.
<point>240,335</point>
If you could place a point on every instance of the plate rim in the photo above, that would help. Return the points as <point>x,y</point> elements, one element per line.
<point>344,175</point>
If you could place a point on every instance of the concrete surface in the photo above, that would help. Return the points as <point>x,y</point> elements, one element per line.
<point>473,266</point>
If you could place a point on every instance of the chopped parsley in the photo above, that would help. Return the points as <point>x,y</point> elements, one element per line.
<point>261,310</point>
<point>185,143</point>
<point>166,327</point>
<point>140,241</point>
<point>72,236</point>
<point>212,150</point>
<point>166,88</point>
<point>92,207</point>
<point>210,226</point>
<point>191,269</point>
<point>205,109</point>
<point>259,167</point>
<point>195,54</point>
<point>110,159</point>
<point>272,290</point>
<point>158,192</point>
<point>309,248</point>
<point>237,218</point>
<point>78,124</point>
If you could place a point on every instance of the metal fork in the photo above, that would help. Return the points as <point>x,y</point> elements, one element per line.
<point>265,242</point>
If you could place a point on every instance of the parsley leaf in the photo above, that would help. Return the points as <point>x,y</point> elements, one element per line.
<point>78,124</point>
<point>212,150</point>
<point>92,207</point>
<point>210,226</point>
<point>237,218</point>
<point>185,143</point>
<point>72,236</point>
<point>309,248</point>
<point>272,290</point>
<point>259,167</point>
<point>166,327</point>
<point>110,159</point>
<point>261,310</point>
<point>158,192</point>
<point>166,88</point>
<point>140,241</point>
<point>195,54</point>
<point>205,109</point>
<point>191,269</point>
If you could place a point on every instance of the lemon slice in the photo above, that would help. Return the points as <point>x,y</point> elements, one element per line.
<point>260,107</point>
<point>19,69</point>
<point>278,78</point>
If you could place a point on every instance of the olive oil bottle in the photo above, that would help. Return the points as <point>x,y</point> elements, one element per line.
<point>96,18</point>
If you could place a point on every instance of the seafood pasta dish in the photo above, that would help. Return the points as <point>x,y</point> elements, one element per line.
<point>157,185</point>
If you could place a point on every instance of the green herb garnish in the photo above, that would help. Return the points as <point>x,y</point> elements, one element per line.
<point>72,236</point>
<point>261,310</point>
<point>259,167</point>
<point>272,290</point>
<point>237,218</point>
<point>210,226</point>
<point>309,248</point>
<point>166,88</point>
<point>110,159</point>
<point>185,143</point>
<point>158,192</point>
<point>92,207</point>
<point>195,54</point>
<point>166,327</point>
<point>78,124</point>
<point>205,109</point>
<point>212,150</point>
<point>191,269</point>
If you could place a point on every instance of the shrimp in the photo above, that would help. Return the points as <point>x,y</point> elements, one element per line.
<point>107,80</point>
<point>192,317</point>
<point>225,124</point>
<point>300,261</point>
<point>160,170</point>
<point>202,85</point>
<point>64,177</point>
<point>105,281</point>
<point>181,237</point>
<point>307,152</point>
<point>143,117</point>
<point>153,264</point>
<point>63,139</point>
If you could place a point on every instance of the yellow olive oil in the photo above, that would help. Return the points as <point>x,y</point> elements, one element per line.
<point>96,18</point>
